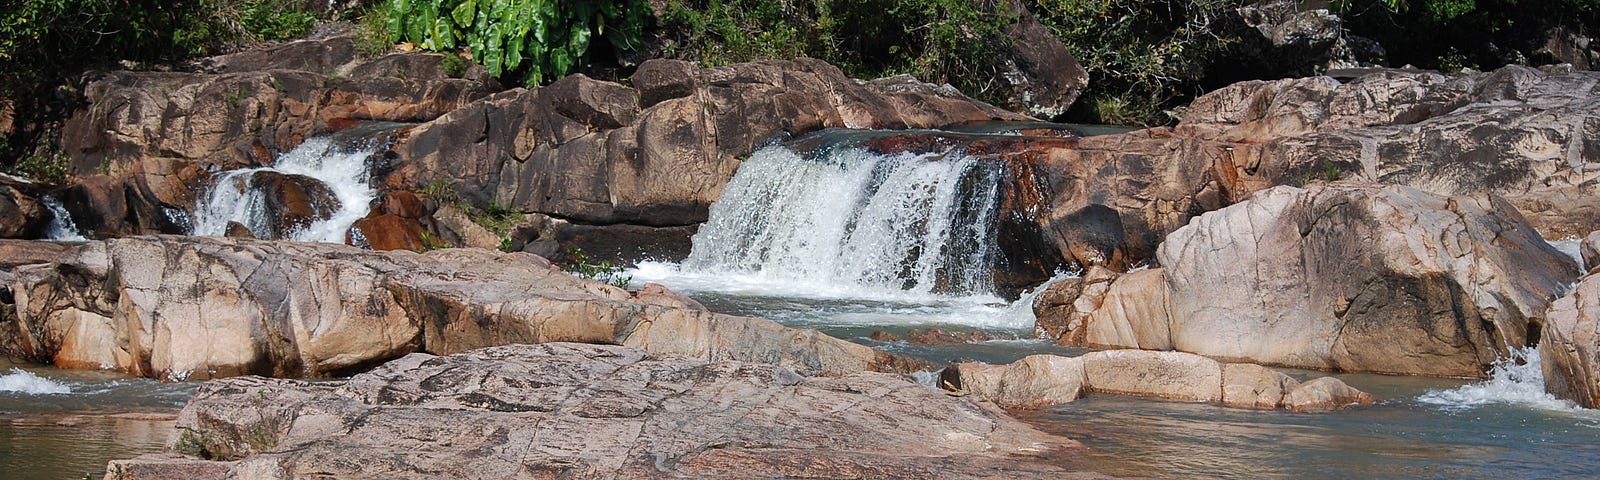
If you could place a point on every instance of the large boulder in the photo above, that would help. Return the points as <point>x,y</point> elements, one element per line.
<point>1040,380</point>
<point>22,215</point>
<point>584,411</point>
<point>1343,277</point>
<point>1045,78</point>
<point>198,307</point>
<point>1569,347</point>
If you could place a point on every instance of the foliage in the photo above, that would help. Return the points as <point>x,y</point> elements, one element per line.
<point>275,19</point>
<point>1143,57</point>
<point>940,41</point>
<point>453,65</point>
<point>431,243</point>
<point>578,263</point>
<point>46,45</point>
<point>529,41</point>
<point>372,33</point>
<point>1450,35</point>
<point>441,190</point>
<point>497,218</point>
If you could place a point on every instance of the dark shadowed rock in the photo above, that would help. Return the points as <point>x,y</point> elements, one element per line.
<point>21,215</point>
<point>584,411</point>
<point>1045,78</point>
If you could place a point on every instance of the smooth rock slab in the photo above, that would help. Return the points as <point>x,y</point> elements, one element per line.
<point>1041,380</point>
<point>1569,348</point>
<point>585,411</point>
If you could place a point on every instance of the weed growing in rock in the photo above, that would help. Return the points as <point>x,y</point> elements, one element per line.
<point>497,218</point>
<point>453,65</point>
<point>372,33</point>
<point>578,263</point>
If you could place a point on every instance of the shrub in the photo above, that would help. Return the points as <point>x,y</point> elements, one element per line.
<point>578,263</point>
<point>527,41</point>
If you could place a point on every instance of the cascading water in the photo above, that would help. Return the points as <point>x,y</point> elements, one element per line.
<point>848,218</point>
<point>235,197</point>
<point>61,228</point>
<point>1514,380</point>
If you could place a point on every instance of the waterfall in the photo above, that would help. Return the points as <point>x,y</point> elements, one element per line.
<point>62,228</point>
<point>237,198</point>
<point>845,217</point>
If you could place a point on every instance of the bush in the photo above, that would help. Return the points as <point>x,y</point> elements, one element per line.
<point>1143,57</point>
<point>1449,35</point>
<point>939,41</point>
<point>525,41</point>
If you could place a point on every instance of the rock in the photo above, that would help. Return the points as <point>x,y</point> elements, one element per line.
<point>1109,310</point>
<point>22,215</point>
<point>884,337</point>
<point>1360,278</point>
<point>202,307</point>
<point>1045,78</point>
<point>292,202</point>
<point>390,232</point>
<point>937,336</point>
<point>1589,250</point>
<point>1092,236</point>
<point>567,410</point>
<point>1293,39</point>
<point>16,253</point>
<point>656,155</point>
<point>1569,345</point>
<point>1323,394</point>
<point>1042,380</point>
<point>457,228</point>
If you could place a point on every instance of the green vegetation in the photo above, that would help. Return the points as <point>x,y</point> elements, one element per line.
<point>1450,35</point>
<point>940,41</point>
<point>578,263</point>
<point>1143,57</point>
<point>524,41</point>
<point>46,45</point>
<point>372,33</point>
<point>497,218</point>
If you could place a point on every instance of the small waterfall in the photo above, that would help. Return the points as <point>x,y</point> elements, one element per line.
<point>1515,380</point>
<point>236,197</point>
<point>62,228</point>
<point>849,218</point>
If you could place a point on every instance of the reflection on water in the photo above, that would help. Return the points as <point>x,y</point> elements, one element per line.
<point>1398,438</point>
<point>64,424</point>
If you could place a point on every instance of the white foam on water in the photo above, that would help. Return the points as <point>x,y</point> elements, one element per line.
<point>61,228</point>
<point>25,382</point>
<point>344,172</point>
<point>1515,380</point>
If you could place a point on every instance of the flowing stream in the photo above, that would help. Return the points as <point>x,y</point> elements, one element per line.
<point>851,242</point>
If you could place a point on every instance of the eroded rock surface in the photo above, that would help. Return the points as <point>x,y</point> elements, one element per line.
<point>1569,347</point>
<point>1343,277</point>
<point>196,307</point>
<point>1041,380</point>
<point>584,411</point>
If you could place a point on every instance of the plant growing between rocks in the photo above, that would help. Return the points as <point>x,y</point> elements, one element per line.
<point>578,263</point>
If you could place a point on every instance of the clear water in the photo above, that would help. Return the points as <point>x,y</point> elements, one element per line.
<point>63,424</point>
<point>343,169</point>
<point>1505,427</point>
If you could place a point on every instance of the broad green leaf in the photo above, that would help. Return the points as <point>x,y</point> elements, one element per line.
<point>464,13</point>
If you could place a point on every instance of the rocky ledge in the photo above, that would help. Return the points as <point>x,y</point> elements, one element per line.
<point>584,411</point>
<point>198,307</point>
<point>1041,380</point>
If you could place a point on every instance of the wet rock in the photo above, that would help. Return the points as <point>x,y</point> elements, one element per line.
<point>655,155</point>
<point>390,232</point>
<point>1042,380</point>
<point>937,336</point>
<point>201,307</point>
<point>1569,345</point>
<point>238,230</point>
<point>566,410</point>
<point>1360,278</point>
<point>1092,236</point>
<point>292,202</point>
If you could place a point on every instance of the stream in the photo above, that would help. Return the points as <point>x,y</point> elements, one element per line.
<point>850,243</point>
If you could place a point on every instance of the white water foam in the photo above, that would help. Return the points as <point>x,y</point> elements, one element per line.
<point>851,220</point>
<point>25,382</point>
<point>344,172</point>
<point>62,228</point>
<point>1516,380</point>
